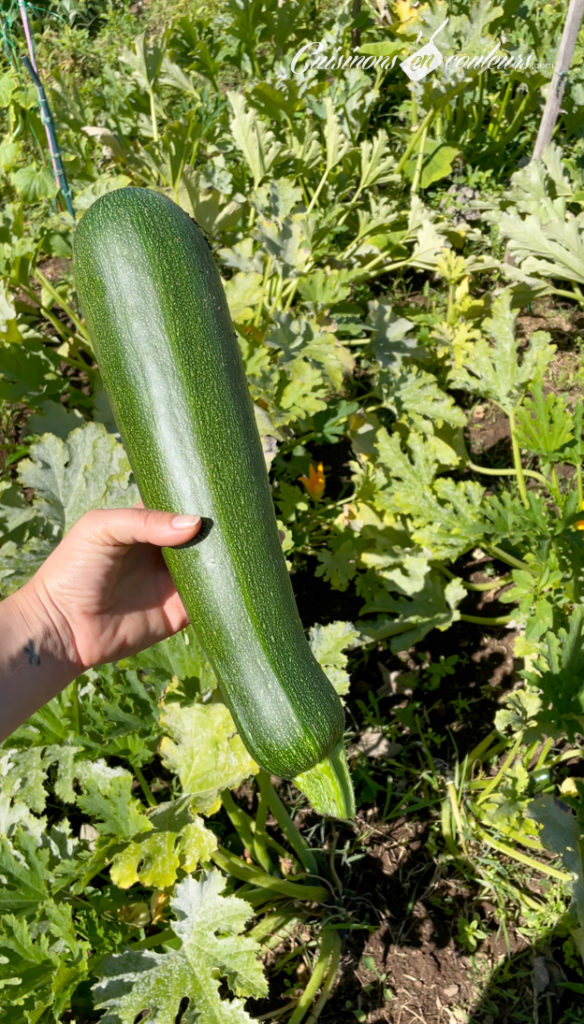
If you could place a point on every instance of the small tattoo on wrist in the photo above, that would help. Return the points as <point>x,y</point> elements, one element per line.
<point>33,657</point>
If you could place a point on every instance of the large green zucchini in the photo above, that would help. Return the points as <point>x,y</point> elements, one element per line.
<point>158,318</point>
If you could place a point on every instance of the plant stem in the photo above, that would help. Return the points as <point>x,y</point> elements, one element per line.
<point>493,129</point>
<point>487,471</point>
<point>544,752</point>
<point>76,707</point>
<point>479,620</point>
<point>494,782</point>
<point>502,581</point>
<point>242,824</point>
<point>326,967</point>
<point>420,130</point>
<point>478,752</point>
<point>267,270</point>
<point>454,806</point>
<point>150,800</point>
<point>294,837</point>
<point>504,556</point>
<point>509,851</point>
<point>263,781</point>
<point>517,460</point>
<point>420,161</point>
<point>269,929</point>
<point>257,877</point>
<point>317,192</point>
<point>62,302</point>
<point>151,941</point>
<point>374,265</point>
<point>291,294</point>
<point>153,115</point>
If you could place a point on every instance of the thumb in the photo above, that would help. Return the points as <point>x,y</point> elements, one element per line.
<point>126,526</point>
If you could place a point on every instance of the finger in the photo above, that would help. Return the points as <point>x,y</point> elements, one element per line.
<point>139,504</point>
<point>126,526</point>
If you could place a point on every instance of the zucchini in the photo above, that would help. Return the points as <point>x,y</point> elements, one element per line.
<point>158,319</point>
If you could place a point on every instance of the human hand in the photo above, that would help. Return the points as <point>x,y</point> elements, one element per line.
<point>106,588</point>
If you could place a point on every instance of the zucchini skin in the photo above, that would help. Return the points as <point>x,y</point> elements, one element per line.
<point>158,318</point>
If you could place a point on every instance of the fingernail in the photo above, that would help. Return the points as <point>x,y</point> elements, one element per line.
<point>182,522</point>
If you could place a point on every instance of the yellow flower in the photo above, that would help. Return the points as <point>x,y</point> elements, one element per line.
<point>580,524</point>
<point>314,482</point>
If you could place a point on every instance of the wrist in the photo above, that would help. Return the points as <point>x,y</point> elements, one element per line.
<point>47,629</point>
<point>37,659</point>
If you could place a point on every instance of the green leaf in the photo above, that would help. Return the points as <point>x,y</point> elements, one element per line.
<point>325,287</point>
<point>303,394</point>
<point>277,198</point>
<point>551,250</point>
<point>150,859</point>
<point>561,833</point>
<point>509,520</point>
<point>328,644</point>
<point>337,563</point>
<point>494,371</point>
<point>8,83</point>
<point>454,522</point>
<point>337,144</point>
<point>179,839</point>
<point>172,74</point>
<point>412,489</point>
<point>436,162</point>
<point>542,187</point>
<point>23,775</point>
<point>25,873</point>
<point>416,398</point>
<point>391,339</point>
<point>244,293</point>
<point>180,655</point>
<point>272,101</point>
<point>25,964</point>
<point>40,965</point>
<point>88,470</point>
<point>203,748</point>
<point>558,676</point>
<point>408,620</point>
<point>197,843</point>
<point>145,61</point>
<point>30,369</point>
<point>286,242</point>
<point>212,947</point>
<point>34,184</point>
<point>258,145</point>
<point>107,797</point>
<point>544,424</point>
<point>428,241</point>
<point>377,163</point>
<point>520,712</point>
<point>9,153</point>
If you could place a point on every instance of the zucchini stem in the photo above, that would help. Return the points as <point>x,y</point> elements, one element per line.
<point>257,877</point>
<point>150,799</point>
<point>243,826</point>
<point>323,974</point>
<point>294,837</point>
